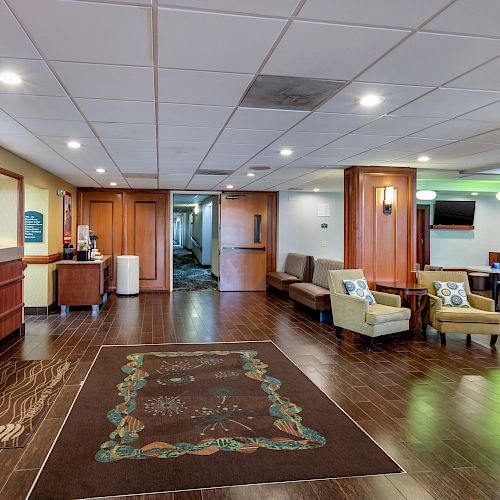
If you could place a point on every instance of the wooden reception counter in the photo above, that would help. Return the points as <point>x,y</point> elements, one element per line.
<point>11,290</point>
<point>83,283</point>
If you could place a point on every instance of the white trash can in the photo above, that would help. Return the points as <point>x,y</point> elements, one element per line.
<point>127,274</point>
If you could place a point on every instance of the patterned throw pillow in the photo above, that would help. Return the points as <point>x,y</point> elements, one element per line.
<point>451,294</point>
<point>359,288</point>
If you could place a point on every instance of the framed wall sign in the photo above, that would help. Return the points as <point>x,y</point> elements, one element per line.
<point>67,218</point>
<point>33,227</point>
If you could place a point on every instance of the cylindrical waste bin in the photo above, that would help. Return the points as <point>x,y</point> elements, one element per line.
<point>127,274</point>
<point>479,281</point>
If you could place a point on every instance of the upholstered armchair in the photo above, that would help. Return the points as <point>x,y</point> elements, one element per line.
<point>480,318</point>
<point>355,314</point>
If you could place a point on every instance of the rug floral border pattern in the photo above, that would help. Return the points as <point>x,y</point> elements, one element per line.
<point>127,430</point>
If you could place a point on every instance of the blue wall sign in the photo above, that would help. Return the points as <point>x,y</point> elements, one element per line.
<point>33,227</point>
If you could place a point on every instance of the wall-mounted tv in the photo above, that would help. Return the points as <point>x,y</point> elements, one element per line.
<point>454,213</point>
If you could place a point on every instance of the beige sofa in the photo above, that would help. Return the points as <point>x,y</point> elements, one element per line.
<point>315,295</point>
<point>355,314</point>
<point>298,268</point>
<point>480,318</point>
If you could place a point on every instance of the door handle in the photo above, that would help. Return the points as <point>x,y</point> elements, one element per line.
<point>260,249</point>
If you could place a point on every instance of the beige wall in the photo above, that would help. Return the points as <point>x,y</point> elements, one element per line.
<point>8,211</point>
<point>41,195</point>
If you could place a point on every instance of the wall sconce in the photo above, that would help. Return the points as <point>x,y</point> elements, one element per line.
<point>388,199</point>
<point>196,209</point>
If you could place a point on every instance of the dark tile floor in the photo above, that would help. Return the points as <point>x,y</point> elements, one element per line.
<point>435,410</point>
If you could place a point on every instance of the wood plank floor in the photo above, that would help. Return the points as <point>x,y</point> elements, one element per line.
<point>435,410</point>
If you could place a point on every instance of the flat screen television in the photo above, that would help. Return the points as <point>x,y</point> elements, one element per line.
<point>454,213</point>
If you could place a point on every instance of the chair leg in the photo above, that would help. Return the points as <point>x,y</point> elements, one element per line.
<point>372,343</point>
<point>468,340</point>
<point>443,338</point>
<point>493,340</point>
<point>338,333</point>
<point>402,338</point>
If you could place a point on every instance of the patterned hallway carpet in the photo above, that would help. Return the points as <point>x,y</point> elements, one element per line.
<point>27,391</point>
<point>174,417</point>
<point>189,274</point>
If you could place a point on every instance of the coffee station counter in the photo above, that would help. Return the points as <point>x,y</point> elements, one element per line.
<point>83,282</point>
<point>11,290</point>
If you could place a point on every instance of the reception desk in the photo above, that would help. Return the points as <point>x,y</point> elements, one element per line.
<point>83,283</point>
<point>11,290</point>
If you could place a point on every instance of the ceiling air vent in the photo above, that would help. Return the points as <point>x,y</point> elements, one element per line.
<point>289,92</point>
<point>259,168</point>
<point>214,172</point>
<point>295,189</point>
<point>130,175</point>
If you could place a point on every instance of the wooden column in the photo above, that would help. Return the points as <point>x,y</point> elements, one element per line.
<point>383,245</point>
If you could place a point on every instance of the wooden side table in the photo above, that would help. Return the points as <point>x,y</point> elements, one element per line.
<point>409,293</point>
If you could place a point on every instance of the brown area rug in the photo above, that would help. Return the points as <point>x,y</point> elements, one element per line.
<point>27,391</point>
<point>155,418</point>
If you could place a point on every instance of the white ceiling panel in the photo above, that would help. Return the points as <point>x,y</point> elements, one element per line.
<point>448,103</point>
<point>472,17</point>
<point>27,106</point>
<point>125,130</point>
<point>297,152</point>
<point>459,149</point>
<point>213,161</point>
<point>134,156</point>
<point>173,182</point>
<point>57,128</point>
<point>347,100</point>
<point>413,145</point>
<point>188,134</point>
<point>399,13</point>
<point>27,143</point>
<point>331,51</point>
<point>457,129</point>
<point>138,167</point>
<point>247,136</point>
<point>202,87</point>
<point>270,119</point>
<point>236,149</point>
<point>488,138</point>
<point>274,8</point>
<point>194,114</point>
<point>13,39</point>
<point>484,77</point>
<point>306,139</point>
<point>178,168</point>
<point>332,122</point>
<point>101,81</point>
<point>432,59</point>
<point>488,113</point>
<point>101,110</point>
<point>9,126</point>
<point>328,155</point>
<point>398,125</point>
<point>129,145</point>
<point>88,32</point>
<point>178,148</point>
<point>221,43</point>
<point>143,183</point>
<point>362,141</point>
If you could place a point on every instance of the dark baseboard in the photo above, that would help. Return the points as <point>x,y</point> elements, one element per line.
<point>41,311</point>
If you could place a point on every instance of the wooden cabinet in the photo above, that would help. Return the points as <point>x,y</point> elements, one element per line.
<point>11,294</point>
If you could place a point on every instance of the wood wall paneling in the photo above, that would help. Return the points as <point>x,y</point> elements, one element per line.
<point>11,296</point>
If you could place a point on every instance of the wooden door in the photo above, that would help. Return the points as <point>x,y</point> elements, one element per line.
<point>103,212</point>
<point>423,236</point>
<point>247,235</point>
<point>146,218</point>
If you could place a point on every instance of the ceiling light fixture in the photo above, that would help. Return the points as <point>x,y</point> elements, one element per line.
<point>474,194</point>
<point>498,196</point>
<point>426,195</point>
<point>74,145</point>
<point>10,78</point>
<point>286,152</point>
<point>371,100</point>
<point>250,174</point>
<point>230,186</point>
<point>100,170</point>
<point>423,159</point>
<point>316,190</point>
<point>113,184</point>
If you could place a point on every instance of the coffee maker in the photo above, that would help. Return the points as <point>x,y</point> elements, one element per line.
<point>83,243</point>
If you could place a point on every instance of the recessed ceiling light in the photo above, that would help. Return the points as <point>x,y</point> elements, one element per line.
<point>250,174</point>
<point>316,190</point>
<point>10,78</point>
<point>100,170</point>
<point>498,196</point>
<point>423,158</point>
<point>74,145</point>
<point>371,100</point>
<point>230,186</point>
<point>474,194</point>
<point>286,152</point>
<point>426,195</point>
<point>113,184</point>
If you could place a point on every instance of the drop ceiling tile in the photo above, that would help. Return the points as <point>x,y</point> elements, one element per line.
<point>488,113</point>
<point>28,143</point>
<point>332,122</point>
<point>317,59</point>
<point>469,17</point>
<point>89,32</point>
<point>9,126</point>
<point>224,162</point>
<point>413,145</point>
<point>134,156</point>
<point>129,145</point>
<point>347,100</point>
<point>398,125</point>
<point>102,110</point>
<point>329,155</point>
<point>482,78</point>
<point>247,136</point>
<point>201,87</point>
<point>372,157</point>
<point>178,148</point>
<point>488,138</point>
<point>188,134</point>
<point>138,167</point>
<point>236,149</point>
<point>194,114</point>
<point>306,139</point>
<point>400,13</point>
<point>173,157</point>
<point>36,78</point>
<point>13,40</point>
<point>457,129</point>
<point>275,8</point>
<point>27,106</point>
<point>125,130</point>
<point>173,182</point>
<point>271,119</point>
<point>362,141</point>
<point>57,128</point>
<point>448,103</point>
<point>210,50</point>
<point>100,81</point>
<point>459,149</point>
<point>297,152</point>
<point>143,183</point>
<point>178,168</point>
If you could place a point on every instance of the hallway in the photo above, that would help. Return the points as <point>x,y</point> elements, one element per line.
<point>189,275</point>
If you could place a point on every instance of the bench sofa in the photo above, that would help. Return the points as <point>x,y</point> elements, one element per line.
<point>298,268</point>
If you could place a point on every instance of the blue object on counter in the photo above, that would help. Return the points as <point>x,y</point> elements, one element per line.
<point>495,265</point>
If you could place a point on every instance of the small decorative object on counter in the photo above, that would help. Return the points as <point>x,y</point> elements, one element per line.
<point>83,243</point>
<point>67,251</point>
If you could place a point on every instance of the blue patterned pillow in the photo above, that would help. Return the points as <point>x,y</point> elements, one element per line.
<point>451,294</point>
<point>359,288</point>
